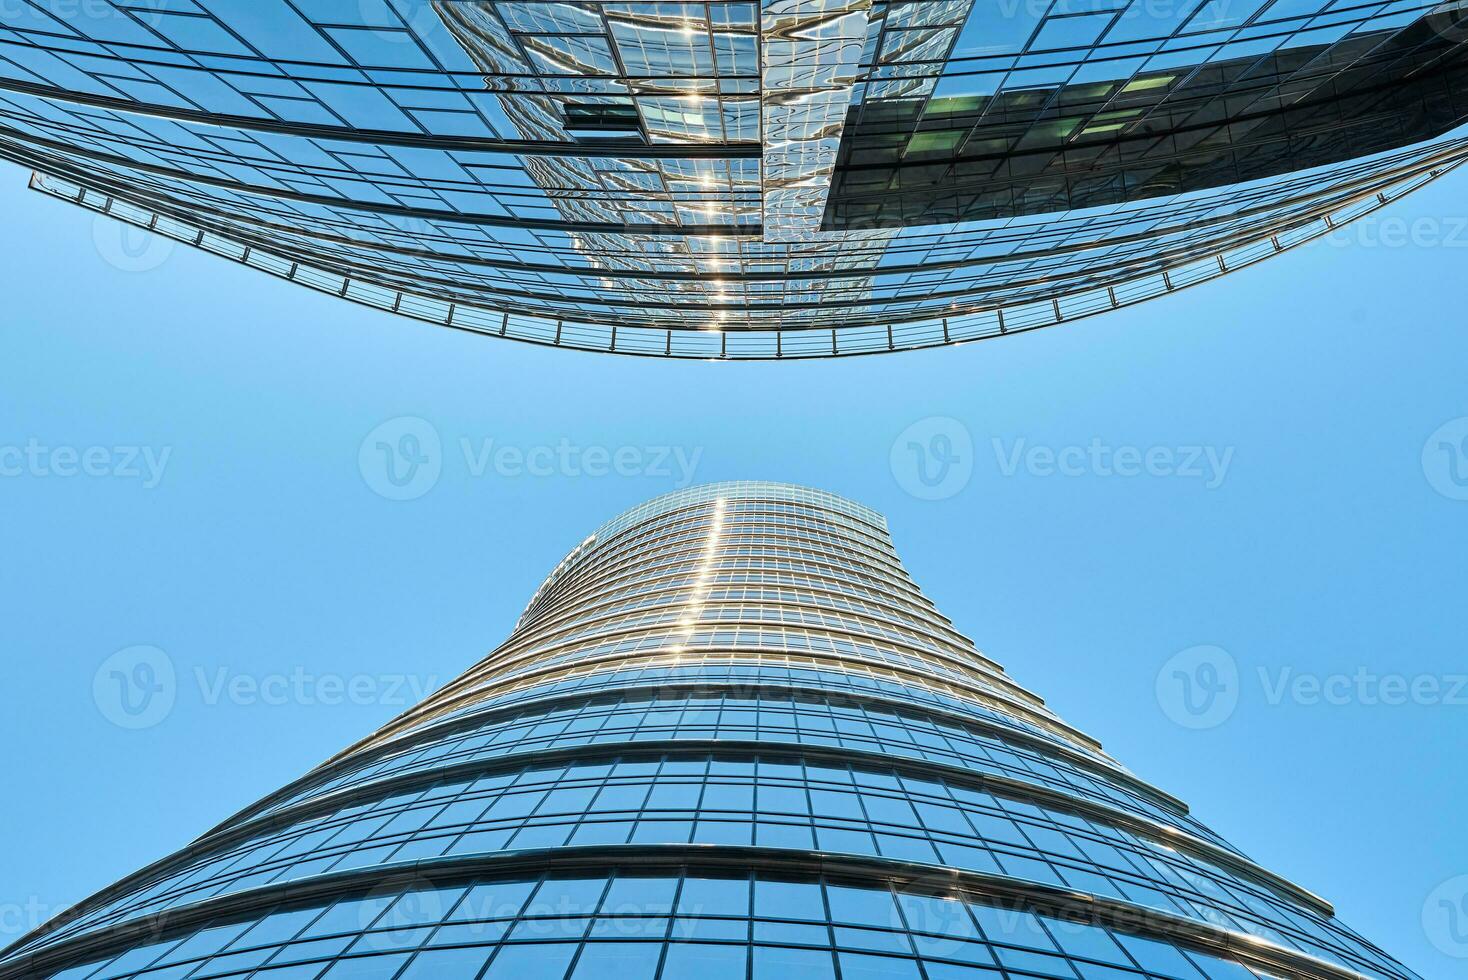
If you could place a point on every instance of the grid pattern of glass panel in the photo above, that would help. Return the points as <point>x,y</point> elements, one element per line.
<point>729,178</point>
<point>659,700</point>
<point>640,927</point>
<point>781,802</point>
<point>1100,104</point>
<point>806,718</point>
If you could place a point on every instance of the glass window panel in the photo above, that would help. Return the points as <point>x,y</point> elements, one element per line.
<point>862,906</point>
<point>714,896</point>
<point>640,895</point>
<point>705,962</point>
<point>860,966</point>
<point>779,963</point>
<point>446,964</point>
<point>276,928</point>
<point>788,900</point>
<point>622,961</point>
<point>495,900</point>
<point>548,960</point>
<point>366,968</point>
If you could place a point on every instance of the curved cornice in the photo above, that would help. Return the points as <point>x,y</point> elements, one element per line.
<point>1165,834</point>
<point>339,764</point>
<point>596,148</point>
<point>854,338</point>
<point>1065,903</point>
<point>1062,732</point>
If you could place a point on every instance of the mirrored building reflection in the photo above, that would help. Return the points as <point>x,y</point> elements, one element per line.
<point>735,178</point>
<point>729,739</point>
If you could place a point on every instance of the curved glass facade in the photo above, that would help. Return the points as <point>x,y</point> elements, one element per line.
<point>728,738</point>
<point>736,178</point>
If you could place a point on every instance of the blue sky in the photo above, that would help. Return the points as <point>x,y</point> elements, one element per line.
<point>1283,542</point>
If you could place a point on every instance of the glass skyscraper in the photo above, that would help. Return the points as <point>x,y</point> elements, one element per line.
<point>729,739</point>
<point>736,178</point>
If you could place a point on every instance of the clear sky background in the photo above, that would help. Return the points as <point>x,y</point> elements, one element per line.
<point>264,558</point>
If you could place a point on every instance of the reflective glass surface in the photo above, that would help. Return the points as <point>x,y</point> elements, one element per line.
<point>730,736</point>
<point>690,925</point>
<point>782,178</point>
